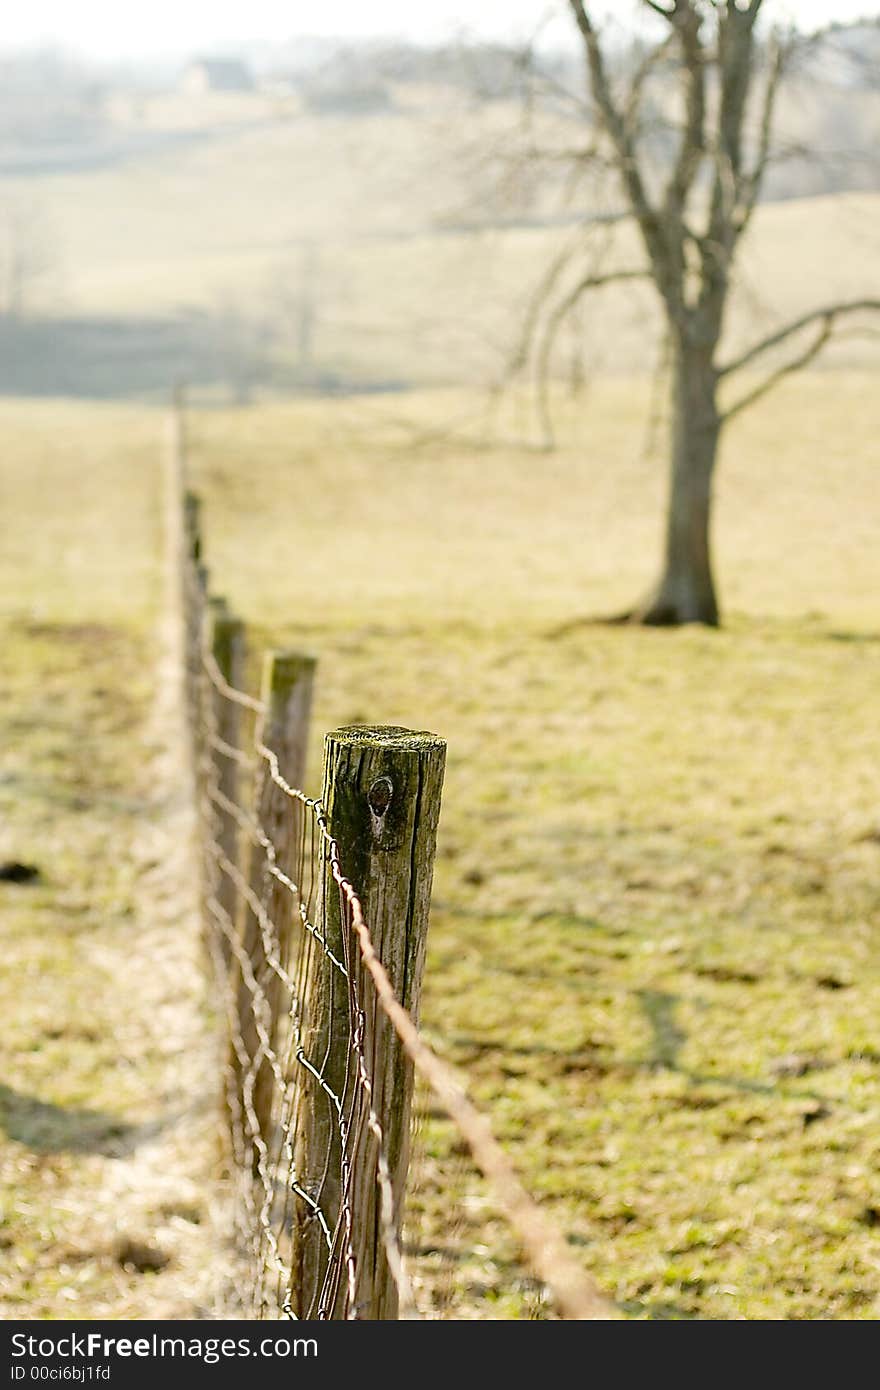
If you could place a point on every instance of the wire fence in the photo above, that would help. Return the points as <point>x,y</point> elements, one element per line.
<point>315,913</point>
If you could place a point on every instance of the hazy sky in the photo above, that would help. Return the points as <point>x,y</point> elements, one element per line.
<point>106,28</point>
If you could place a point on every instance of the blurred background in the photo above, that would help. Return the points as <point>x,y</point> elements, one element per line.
<point>367,211</point>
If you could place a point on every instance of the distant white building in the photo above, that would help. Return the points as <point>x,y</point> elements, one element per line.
<point>216,75</point>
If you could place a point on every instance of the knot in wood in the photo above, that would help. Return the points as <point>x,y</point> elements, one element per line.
<point>379,795</point>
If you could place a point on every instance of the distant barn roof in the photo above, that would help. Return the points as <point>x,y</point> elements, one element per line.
<point>224,74</point>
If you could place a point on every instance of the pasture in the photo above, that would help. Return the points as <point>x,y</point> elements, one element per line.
<point>653,948</point>
<point>107,1129</point>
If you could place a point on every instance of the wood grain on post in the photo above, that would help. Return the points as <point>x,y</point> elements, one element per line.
<point>288,679</point>
<point>381,793</point>
<point>226,643</point>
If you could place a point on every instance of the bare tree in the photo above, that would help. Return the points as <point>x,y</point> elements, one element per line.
<point>690,184</point>
<point>238,338</point>
<point>27,257</point>
<point>296,293</point>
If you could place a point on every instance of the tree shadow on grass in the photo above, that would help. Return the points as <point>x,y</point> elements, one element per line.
<point>668,1039</point>
<point>48,1128</point>
<point>140,357</point>
<point>857,638</point>
<point>100,358</point>
<point>659,1310</point>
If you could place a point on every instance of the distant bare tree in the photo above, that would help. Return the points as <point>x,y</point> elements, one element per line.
<point>296,293</point>
<point>27,257</point>
<point>268,337</point>
<point>690,184</point>
<point>239,346</point>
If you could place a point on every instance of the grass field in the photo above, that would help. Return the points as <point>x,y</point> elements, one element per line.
<point>106,1116</point>
<point>654,943</point>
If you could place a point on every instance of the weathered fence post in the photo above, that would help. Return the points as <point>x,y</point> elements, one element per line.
<point>175,459</point>
<point>381,794</point>
<point>224,639</point>
<point>178,415</point>
<point>192,598</point>
<point>192,525</point>
<point>288,678</point>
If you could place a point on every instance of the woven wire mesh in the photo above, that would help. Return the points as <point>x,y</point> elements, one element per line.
<point>265,891</point>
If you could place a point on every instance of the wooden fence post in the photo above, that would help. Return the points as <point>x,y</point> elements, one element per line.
<point>191,595</point>
<point>287,683</point>
<point>175,478</point>
<point>192,525</point>
<point>381,793</point>
<point>224,639</point>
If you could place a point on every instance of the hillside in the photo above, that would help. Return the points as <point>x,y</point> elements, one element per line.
<point>244,239</point>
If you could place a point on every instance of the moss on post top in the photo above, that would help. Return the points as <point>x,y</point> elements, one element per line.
<point>286,692</point>
<point>284,670</point>
<point>223,625</point>
<point>381,790</point>
<point>390,736</point>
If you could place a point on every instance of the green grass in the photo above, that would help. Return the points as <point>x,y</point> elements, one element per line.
<point>83,1064</point>
<point>654,942</point>
<point>69,1096</point>
<point>653,947</point>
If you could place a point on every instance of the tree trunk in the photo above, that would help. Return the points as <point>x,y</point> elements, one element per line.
<point>686,591</point>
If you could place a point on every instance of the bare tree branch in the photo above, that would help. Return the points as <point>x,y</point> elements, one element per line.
<point>750,183</point>
<point>555,321</point>
<point>658,9</point>
<point>692,145</point>
<point>763,387</point>
<point>545,288</point>
<point>829,312</point>
<point>651,60</point>
<point>735,55</point>
<point>622,139</point>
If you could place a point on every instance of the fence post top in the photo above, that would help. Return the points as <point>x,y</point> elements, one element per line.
<point>390,736</point>
<point>225,624</point>
<point>282,670</point>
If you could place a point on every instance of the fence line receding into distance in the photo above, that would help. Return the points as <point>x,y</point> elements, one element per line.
<point>315,915</point>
